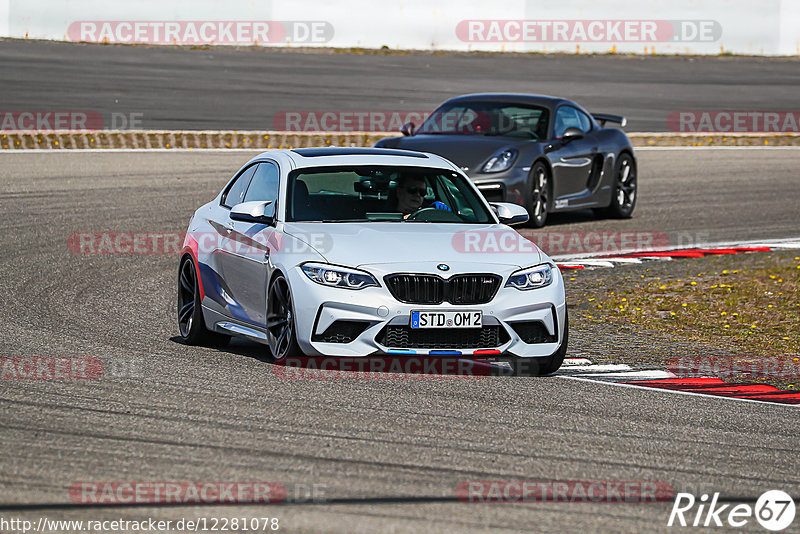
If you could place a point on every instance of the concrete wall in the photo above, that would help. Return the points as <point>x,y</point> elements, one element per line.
<point>759,27</point>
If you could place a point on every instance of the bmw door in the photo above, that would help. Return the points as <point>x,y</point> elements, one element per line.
<point>247,248</point>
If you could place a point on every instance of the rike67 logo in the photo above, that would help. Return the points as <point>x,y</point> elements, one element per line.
<point>774,510</point>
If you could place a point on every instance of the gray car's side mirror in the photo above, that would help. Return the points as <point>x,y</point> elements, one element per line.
<point>407,129</point>
<point>257,211</point>
<point>571,134</point>
<point>510,214</point>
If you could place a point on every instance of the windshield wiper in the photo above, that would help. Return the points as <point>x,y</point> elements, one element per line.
<point>344,220</point>
<point>332,220</point>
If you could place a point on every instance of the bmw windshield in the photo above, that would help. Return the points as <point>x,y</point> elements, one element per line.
<point>487,118</point>
<point>368,193</point>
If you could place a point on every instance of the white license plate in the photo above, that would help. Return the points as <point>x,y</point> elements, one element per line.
<point>446,319</point>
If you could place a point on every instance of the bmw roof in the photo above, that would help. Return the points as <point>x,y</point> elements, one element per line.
<point>331,156</point>
<point>359,151</point>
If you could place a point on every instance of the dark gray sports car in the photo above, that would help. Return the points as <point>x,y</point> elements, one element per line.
<point>545,153</point>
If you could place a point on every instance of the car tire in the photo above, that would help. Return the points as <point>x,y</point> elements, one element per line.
<point>281,329</point>
<point>191,325</point>
<point>543,366</point>
<point>623,200</point>
<point>540,189</point>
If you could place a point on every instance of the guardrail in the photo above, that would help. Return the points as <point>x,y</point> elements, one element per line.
<point>259,140</point>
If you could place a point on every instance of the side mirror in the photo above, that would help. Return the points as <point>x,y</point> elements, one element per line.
<point>258,211</point>
<point>510,214</point>
<point>407,129</point>
<point>571,134</point>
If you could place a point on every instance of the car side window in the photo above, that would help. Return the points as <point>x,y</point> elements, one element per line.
<point>235,192</point>
<point>264,185</point>
<point>570,117</point>
<point>586,123</point>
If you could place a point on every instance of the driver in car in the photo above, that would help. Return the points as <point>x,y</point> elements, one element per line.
<point>411,191</point>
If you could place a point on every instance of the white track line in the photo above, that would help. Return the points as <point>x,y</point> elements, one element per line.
<point>651,374</point>
<point>614,371</point>
<point>624,260</point>
<point>676,392</point>
<point>591,263</point>
<point>654,258</point>
<point>574,362</point>
<point>112,150</point>
<point>787,243</point>
<point>743,147</point>
<point>601,368</point>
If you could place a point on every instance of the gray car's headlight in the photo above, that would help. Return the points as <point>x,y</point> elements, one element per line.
<point>501,161</point>
<point>531,278</point>
<point>336,276</point>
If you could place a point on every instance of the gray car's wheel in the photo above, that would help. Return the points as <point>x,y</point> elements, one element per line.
<point>623,200</point>
<point>540,195</point>
<point>281,332</point>
<point>191,325</point>
<point>543,366</point>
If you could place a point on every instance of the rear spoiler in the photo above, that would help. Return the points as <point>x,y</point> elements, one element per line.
<point>602,118</point>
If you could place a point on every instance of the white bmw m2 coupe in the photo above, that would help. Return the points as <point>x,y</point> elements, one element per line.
<point>361,251</point>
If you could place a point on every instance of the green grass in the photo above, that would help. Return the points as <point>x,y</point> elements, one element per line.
<point>753,309</point>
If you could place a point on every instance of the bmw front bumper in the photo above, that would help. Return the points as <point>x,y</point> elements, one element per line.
<point>523,323</point>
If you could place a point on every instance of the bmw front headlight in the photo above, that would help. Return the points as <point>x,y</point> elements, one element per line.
<point>531,278</point>
<point>336,276</point>
<point>501,161</point>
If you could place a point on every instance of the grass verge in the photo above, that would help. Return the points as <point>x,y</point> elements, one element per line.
<point>747,304</point>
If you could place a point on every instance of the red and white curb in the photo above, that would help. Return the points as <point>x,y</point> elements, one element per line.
<point>667,381</point>
<point>634,256</point>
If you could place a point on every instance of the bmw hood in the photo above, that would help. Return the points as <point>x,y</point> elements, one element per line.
<point>362,244</point>
<point>471,151</point>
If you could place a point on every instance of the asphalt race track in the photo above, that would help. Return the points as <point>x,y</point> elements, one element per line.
<point>389,453</point>
<point>225,88</point>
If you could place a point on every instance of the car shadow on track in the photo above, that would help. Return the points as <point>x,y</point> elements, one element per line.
<point>386,366</point>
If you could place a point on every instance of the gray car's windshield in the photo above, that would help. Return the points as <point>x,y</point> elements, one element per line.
<point>488,118</point>
<point>368,193</point>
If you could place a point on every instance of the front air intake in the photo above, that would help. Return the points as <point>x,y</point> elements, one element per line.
<point>405,337</point>
<point>533,332</point>
<point>341,332</point>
